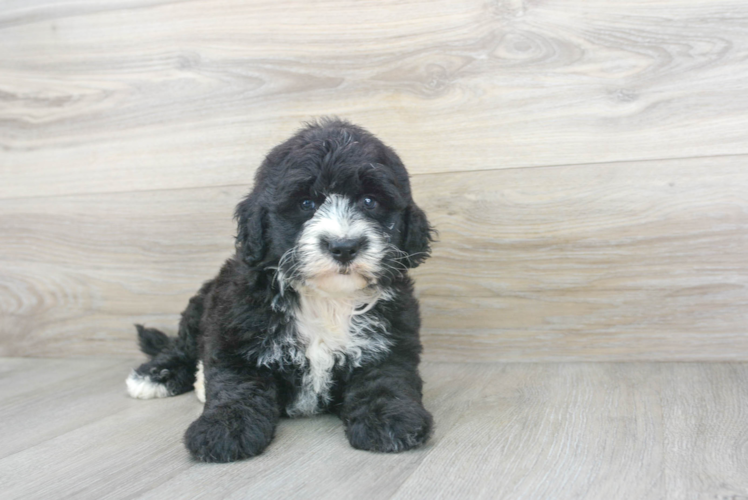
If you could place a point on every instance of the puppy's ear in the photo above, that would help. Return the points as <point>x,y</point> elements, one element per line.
<point>418,236</point>
<point>250,236</point>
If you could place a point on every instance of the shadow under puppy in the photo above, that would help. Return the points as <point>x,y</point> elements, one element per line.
<point>314,313</point>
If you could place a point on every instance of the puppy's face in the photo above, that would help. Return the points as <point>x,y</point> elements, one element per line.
<point>342,248</point>
<point>344,245</point>
<point>335,212</point>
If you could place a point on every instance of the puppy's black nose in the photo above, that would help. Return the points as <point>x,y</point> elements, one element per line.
<point>344,250</point>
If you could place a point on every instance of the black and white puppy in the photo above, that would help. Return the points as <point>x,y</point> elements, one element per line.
<point>314,313</point>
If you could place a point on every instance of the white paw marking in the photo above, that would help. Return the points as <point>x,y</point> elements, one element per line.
<point>200,383</point>
<point>142,387</point>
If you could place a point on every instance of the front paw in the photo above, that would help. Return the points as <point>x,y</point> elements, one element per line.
<point>391,426</point>
<point>225,435</point>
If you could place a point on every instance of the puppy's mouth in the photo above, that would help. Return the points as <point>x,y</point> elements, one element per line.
<point>351,270</point>
<point>343,281</point>
<point>345,270</point>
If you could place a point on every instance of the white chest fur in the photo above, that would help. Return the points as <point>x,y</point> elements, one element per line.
<point>333,331</point>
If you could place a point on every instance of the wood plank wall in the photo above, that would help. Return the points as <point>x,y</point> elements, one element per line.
<point>586,162</point>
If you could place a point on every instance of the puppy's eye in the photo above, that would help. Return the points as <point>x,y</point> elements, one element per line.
<point>370,203</point>
<point>307,205</point>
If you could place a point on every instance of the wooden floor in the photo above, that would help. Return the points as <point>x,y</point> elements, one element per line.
<point>504,430</point>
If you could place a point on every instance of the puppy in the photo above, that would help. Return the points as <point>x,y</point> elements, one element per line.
<point>314,313</point>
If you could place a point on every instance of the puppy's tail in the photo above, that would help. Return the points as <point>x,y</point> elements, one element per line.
<point>170,369</point>
<point>153,342</point>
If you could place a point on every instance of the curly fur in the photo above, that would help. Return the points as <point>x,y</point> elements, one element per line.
<point>290,327</point>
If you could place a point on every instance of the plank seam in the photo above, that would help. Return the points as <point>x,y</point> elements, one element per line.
<point>249,184</point>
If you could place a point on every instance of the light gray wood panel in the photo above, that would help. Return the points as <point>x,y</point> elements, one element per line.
<point>92,390</point>
<point>141,94</point>
<point>78,271</point>
<point>37,374</point>
<point>111,457</point>
<point>552,431</point>
<point>641,260</point>
<point>705,408</point>
<point>522,430</point>
<point>624,261</point>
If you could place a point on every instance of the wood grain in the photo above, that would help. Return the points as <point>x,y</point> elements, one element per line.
<point>64,403</point>
<point>705,410</point>
<point>77,272</point>
<point>128,131</point>
<point>627,261</point>
<point>552,431</point>
<point>623,261</point>
<point>504,431</point>
<point>161,94</point>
